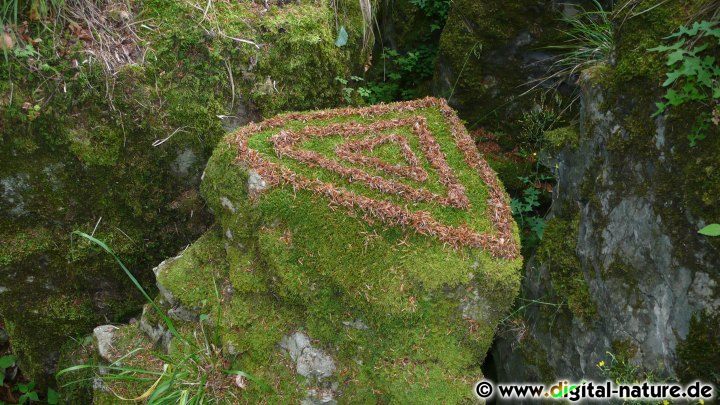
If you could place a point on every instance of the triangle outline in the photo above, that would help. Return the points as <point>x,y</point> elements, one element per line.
<point>356,151</point>
<point>287,144</point>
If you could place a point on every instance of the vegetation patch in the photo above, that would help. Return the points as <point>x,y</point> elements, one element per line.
<point>557,253</point>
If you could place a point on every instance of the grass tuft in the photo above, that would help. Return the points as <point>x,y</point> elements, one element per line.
<point>589,43</point>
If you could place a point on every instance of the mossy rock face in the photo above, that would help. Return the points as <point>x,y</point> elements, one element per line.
<point>623,253</point>
<point>120,153</point>
<point>361,254</point>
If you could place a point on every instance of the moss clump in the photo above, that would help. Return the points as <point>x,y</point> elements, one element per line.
<point>699,354</point>
<point>76,388</point>
<point>557,253</point>
<point>99,147</point>
<point>191,277</point>
<point>23,244</point>
<point>30,339</point>
<point>565,137</point>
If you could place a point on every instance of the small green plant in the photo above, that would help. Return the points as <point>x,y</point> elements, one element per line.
<point>184,377</point>
<point>348,91</point>
<point>525,209</point>
<point>11,10</point>
<point>435,10</point>
<point>403,73</point>
<point>710,230</point>
<point>534,123</point>
<point>27,393</point>
<point>695,74</point>
<point>620,370</point>
<point>10,13</point>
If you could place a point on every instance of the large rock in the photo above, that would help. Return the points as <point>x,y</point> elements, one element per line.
<point>119,153</point>
<point>629,280</point>
<point>373,263</point>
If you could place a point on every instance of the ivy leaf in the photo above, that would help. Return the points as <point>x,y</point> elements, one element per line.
<point>676,56</point>
<point>696,50</point>
<point>691,66</point>
<point>515,206</point>
<point>665,48</point>
<point>672,77</point>
<point>661,107</point>
<point>537,226</point>
<point>342,37</point>
<point>674,98</point>
<point>710,230</point>
<point>705,26</point>
<point>6,361</point>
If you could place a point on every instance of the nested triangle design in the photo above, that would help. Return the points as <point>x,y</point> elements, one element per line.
<point>499,241</point>
<point>287,144</point>
<point>356,152</point>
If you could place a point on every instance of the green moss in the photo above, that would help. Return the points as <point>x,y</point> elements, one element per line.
<point>642,32</point>
<point>23,244</point>
<point>332,248</point>
<point>76,387</point>
<point>30,338</point>
<point>245,275</point>
<point>191,277</point>
<point>101,146</point>
<point>562,137</point>
<point>699,353</point>
<point>557,253</point>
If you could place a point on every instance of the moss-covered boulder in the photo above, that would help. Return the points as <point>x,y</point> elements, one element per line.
<point>116,146</point>
<point>365,255</point>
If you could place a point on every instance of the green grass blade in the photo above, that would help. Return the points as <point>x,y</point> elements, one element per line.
<point>168,322</point>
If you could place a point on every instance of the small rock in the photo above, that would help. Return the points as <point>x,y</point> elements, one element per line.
<point>158,334</point>
<point>104,336</point>
<point>166,294</point>
<point>240,381</point>
<point>356,324</point>
<point>256,184</point>
<point>183,314</point>
<point>309,361</point>
<point>227,204</point>
<point>319,397</point>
